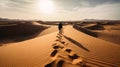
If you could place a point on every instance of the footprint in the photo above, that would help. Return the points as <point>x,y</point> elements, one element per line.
<point>60,63</point>
<point>57,40</point>
<point>74,56</point>
<point>54,53</point>
<point>50,64</point>
<point>63,42</point>
<point>61,47</point>
<point>82,64</point>
<point>56,47</point>
<point>78,61</point>
<point>68,50</point>
<point>54,44</point>
<point>59,36</point>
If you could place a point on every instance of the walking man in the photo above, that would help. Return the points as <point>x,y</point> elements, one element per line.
<point>60,28</point>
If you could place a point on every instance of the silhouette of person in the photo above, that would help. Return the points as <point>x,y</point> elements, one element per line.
<point>60,26</point>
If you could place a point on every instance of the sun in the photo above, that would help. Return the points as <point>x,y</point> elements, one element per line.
<point>46,6</point>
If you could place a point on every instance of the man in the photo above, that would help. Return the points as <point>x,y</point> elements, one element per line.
<point>60,28</point>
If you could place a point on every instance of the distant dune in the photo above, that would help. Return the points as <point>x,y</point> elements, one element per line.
<point>111,33</point>
<point>85,30</point>
<point>106,31</point>
<point>20,31</point>
<point>94,27</point>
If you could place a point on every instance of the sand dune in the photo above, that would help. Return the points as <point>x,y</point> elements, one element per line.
<point>73,49</point>
<point>85,30</point>
<point>111,33</point>
<point>94,27</point>
<point>108,32</point>
<point>98,49</point>
<point>20,31</point>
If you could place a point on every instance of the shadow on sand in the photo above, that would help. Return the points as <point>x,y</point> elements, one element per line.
<point>20,32</point>
<point>85,30</point>
<point>77,43</point>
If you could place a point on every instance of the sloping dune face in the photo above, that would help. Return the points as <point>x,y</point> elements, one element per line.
<point>20,31</point>
<point>108,32</point>
<point>111,33</point>
<point>65,50</point>
<point>98,49</point>
<point>28,53</point>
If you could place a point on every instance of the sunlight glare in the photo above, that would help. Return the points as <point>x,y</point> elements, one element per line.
<point>46,6</point>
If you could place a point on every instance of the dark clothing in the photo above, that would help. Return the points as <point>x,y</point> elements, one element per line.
<point>60,26</point>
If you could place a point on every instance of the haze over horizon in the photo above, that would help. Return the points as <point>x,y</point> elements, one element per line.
<point>60,9</point>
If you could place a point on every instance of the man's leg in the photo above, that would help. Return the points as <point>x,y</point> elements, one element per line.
<point>61,31</point>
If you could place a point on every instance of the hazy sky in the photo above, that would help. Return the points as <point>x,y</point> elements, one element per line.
<point>60,9</point>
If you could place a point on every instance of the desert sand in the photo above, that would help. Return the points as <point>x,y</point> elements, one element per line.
<point>72,49</point>
<point>111,33</point>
